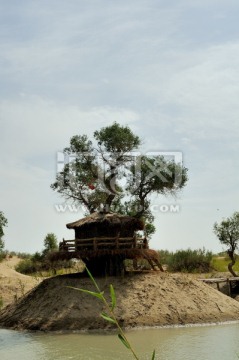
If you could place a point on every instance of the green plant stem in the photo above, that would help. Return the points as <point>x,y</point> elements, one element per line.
<point>118,326</point>
<point>111,312</point>
<point>109,315</point>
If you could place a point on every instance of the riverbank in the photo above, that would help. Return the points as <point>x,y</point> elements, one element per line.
<point>143,300</point>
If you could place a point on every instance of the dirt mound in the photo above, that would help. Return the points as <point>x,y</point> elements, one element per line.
<point>13,285</point>
<point>142,300</point>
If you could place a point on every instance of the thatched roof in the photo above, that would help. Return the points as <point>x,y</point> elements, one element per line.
<point>108,219</point>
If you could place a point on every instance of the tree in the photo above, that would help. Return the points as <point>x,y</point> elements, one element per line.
<point>50,243</point>
<point>106,173</point>
<point>228,234</point>
<point>3,223</point>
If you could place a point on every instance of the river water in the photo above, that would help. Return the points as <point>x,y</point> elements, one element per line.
<point>181,343</point>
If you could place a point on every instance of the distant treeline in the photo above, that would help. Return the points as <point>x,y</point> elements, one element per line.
<point>190,261</point>
<point>187,260</point>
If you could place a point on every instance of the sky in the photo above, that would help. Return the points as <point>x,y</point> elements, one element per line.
<point>167,69</point>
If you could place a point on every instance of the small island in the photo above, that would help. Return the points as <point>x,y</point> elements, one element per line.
<point>116,229</point>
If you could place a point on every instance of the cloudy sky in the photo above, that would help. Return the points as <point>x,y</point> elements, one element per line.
<point>168,69</point>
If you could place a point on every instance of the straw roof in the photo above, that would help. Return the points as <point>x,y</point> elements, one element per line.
<point>110,219</point>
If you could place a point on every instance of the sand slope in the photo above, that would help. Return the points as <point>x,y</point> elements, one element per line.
<point>13,285</point>
<point>142,300</point>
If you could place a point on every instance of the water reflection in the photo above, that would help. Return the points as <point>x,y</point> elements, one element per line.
<point>204,343</point>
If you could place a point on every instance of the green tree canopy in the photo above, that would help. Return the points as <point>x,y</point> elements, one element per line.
<point>3,223</point>
<point>228,234</point>
<point>50,243</point>
<point>108,173</point>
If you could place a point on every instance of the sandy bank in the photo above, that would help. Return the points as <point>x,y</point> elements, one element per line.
<point>151,299</point>
<point>13,285</point>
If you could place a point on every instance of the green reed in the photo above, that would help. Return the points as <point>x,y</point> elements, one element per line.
<point>109,314</point>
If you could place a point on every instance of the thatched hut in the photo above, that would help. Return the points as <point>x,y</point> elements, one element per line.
<point>104,240</point>
<point>106,225</point>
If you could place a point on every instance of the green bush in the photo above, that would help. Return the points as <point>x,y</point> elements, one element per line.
<point>34,265</point>
<point>23,255</point>
<point>3,255</point>
<point>27,266</point>
<point>165,256</point>
<point>37,257</point>
<point>190,261</point>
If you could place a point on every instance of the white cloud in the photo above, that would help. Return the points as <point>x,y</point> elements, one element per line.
<point>161,67</point>
<point>33,126</point>
<point>32,131</point>
<point>203,88</point>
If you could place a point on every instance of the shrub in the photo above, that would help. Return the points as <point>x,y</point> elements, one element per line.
<point>37,257</point>
<point>190,260</point>
<point>27,266</point>
<point>165,256</point>
<point>23,255</point>
<point>35,265</point>
<point>3,255</point>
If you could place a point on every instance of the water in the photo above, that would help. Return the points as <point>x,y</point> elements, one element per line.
<point>202,342</point>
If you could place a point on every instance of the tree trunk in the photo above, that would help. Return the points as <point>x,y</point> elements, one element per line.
<point>232,263</point>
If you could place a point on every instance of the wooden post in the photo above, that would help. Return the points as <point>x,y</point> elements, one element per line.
<point>117,241</point>
<point>106,265</point>
<point>229,287</point>
<point>95,244</point>
<point>145,243</point>
<point>135,264</point>
<point>135,241</point>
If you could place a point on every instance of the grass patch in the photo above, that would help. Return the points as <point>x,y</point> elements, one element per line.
<point>220,263</point>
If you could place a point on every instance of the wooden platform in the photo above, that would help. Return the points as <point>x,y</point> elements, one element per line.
<point>101,243</point>
<point>217,281</point>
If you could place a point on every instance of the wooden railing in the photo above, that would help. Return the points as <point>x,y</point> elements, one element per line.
<point>102,243</point>
<point>228,281</point>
